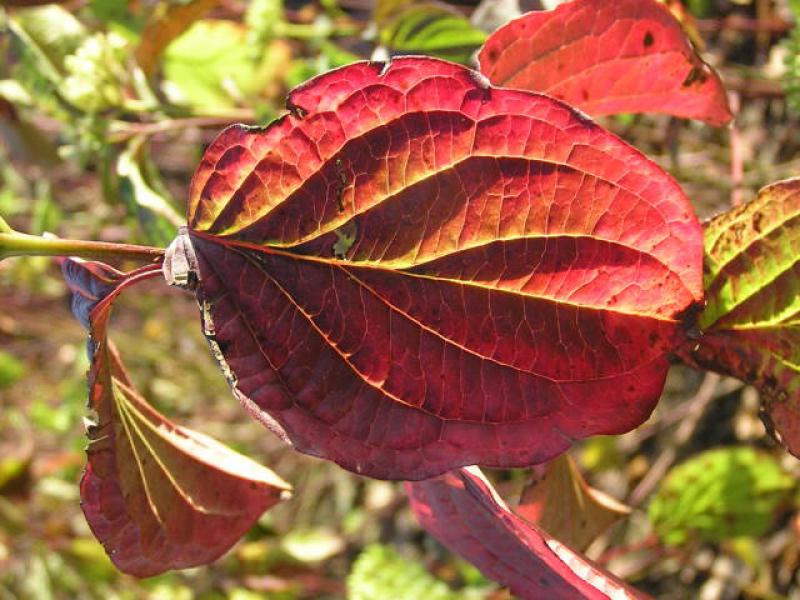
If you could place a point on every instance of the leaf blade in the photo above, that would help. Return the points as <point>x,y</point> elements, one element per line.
<point>750,326</point>
<point>503,220</point>
<point>464,512</point>
<point>156,495</point>
<point>720,494</point>
<point>607,58</point>
<point>558,499</point>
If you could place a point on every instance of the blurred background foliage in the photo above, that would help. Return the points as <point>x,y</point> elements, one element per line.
<point>105,108</point>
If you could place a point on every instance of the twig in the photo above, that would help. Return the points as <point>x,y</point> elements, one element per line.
<point>739,23</point>
<point>699,403</point>
<point>629,442</point>
<point>749,85</point>
<point>737,157</point>
<point>125,131</point>
<point>21,244</point>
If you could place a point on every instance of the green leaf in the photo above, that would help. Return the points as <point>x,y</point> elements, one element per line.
<point>380,573</point>
<point>144,195</point>
<point>212,67</point>
<point>11,370</point>
<point>207,66</point>
<point>751,323</point>
<point>118,16</point>
<point>791,76</point>
<point>95,73</point>
<point>165,23</point>
<point>330,56</point>
<point>51,33</point>
<point>313,545</point>
<point>261,17</point>
<point>59,55</point>
<point>720,494</point>
<point>432,29</point>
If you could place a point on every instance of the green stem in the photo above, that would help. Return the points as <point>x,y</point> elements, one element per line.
<point>312,31</point>
<point>5,227</point>
<point>20,244</point>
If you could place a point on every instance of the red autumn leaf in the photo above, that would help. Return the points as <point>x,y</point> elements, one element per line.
<point>156,495</point>
<point>607,58</point>
<point>89,282</point>
<point>463,511</point>
<point>413,271</point>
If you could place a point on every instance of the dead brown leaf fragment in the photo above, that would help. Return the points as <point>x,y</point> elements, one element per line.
<point>559,500</point>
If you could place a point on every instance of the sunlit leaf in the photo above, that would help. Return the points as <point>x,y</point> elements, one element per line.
<point>156,495</point>
<point>516,279</point>
<point>558,499</point>
<point>60,58</point>
<point>261,18</point>
<point>211,66</point>
<point>145,200</point>
<point>720,494</point>
<point>95,73</point>
<point>751,324</point>
<point>463,511</point>
<point>429,28</point>
<point>607,58</point>
<point>167,22</point>
<point>313,545</point>
<point>50,33</point>
<point>380,573</point>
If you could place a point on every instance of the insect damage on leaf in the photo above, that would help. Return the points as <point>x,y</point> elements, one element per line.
<point>513,282</point>
<point>345,238</point>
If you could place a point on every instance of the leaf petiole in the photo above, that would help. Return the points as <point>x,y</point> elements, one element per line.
<point>13,243</point>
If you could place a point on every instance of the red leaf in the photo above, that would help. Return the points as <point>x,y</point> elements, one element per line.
<point>89,282</point>
<point>156,495</point>
<point>463,511</point>
<point>414,271</point>
<point>607,58</point>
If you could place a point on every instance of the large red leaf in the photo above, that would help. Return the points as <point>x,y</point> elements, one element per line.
<point>156,495</point>
<point>413,271</point>
<point>607,58</point>
<point>463,511</point>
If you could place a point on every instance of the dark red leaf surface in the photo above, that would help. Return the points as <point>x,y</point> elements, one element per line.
<point>607,58</point>
<point>413,271</point>
<point>463,511</point>
<point>156,495</point>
